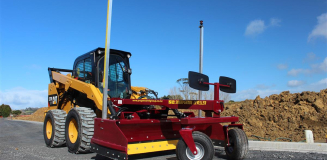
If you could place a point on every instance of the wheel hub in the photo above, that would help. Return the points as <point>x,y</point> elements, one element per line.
<point>49,129</point>
<point>199,155</point>
<point>73,131</point>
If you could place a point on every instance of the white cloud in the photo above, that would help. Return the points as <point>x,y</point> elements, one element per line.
<point>21,98</point>
<point>252,93</point>
<point>315,69</point>
<point>275,22</point>
<point>320,84</point>
<point>320,29</point>
<point>295,72</point>
<point>295,83</point>
<point>282,66</point>
<point>244,94</point>
<point>321,67</point>
<point>262,86</point>
<point>310,57</point>
<point>255,27</point>
<point>316,86</point>
<point>258,26</point>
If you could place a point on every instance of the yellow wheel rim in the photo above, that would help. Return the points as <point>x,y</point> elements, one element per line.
<point>48,129</point>
<point>72,131</point>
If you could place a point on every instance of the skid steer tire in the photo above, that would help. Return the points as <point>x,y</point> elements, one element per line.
<point>203,145</point>
<point>54,128</point>
<point>239,145</point>
<point>79,129</point>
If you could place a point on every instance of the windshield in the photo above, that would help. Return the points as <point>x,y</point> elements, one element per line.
<point>117,79</point>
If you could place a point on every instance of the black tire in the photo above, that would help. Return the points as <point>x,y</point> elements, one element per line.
<point>204,146</point>
<point>57,119</point>
<point>84,119</point>
<point>239,144</point>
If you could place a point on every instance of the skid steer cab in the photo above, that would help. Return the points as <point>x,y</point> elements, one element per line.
<point>138,121</point>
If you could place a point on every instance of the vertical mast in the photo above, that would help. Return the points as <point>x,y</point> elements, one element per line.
<point>201,58</point>
<point>106,61</point>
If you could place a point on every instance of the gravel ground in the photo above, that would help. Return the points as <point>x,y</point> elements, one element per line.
<point>24,140</point>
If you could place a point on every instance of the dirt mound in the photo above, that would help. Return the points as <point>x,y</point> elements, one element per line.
<point>36,116</point>
<point>285,115</point>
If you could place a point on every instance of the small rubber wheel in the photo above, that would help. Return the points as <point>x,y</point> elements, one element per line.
<point>79,129</point>
<point>54,128</point>
<point>203,146</point>
<point>239,145</point>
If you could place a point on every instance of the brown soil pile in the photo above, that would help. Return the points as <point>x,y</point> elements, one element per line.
<point>284,115</point>
<point>36,116</point>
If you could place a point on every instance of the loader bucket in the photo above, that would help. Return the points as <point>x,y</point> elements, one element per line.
<point>108,140</point>
<point>118,139</point>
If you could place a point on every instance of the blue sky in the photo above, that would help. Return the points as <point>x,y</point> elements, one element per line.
<point>267,46</point>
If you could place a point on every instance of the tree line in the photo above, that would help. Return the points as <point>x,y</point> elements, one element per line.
<point>5,111</point>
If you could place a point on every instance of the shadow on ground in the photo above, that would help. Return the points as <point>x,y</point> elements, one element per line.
<point>154,155</point>
<point>220,153</point>
<point>167,155</point>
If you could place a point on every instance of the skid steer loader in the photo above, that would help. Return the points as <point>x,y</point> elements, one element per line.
<point>138,122</point>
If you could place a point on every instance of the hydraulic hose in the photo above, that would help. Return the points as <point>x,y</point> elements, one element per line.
<point>112,110</point>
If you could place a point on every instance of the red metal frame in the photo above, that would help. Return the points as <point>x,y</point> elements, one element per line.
<point>186,134</point>
<point>117,134</point>
<point>206,105</point>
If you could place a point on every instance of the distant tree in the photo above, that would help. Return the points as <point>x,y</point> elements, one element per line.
<point>5,110</point>
<point>209,95</point>
<point>165,97</point>
<point>186,91</point>
<point>174,93</point>
<point>16,112</point>
<point>231,101</point>
<point>179,97</point>
<point>184,88</point>
<point>224,96</point>
<point>193,95</point>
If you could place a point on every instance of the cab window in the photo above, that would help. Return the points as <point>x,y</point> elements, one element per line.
<point>83,71</point>
<point>117,80</point>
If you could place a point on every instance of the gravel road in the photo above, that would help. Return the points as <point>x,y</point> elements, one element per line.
<point>24,140</point>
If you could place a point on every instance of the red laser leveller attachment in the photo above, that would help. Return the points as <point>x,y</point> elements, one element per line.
<point>137,131</point>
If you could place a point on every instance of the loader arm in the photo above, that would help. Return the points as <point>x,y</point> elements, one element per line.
<point>60,84</point>
<point>93,93</point>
